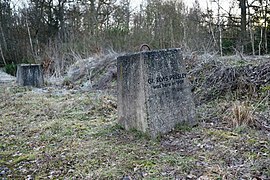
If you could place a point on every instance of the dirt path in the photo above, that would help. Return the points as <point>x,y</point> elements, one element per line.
<point>6,78</point>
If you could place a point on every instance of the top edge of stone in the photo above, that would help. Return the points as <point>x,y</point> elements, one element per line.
<point>150,52</point>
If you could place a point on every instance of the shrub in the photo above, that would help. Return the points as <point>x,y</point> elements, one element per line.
<point>11,69</point>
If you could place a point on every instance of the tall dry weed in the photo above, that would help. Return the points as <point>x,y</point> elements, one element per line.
<point>241,114</point>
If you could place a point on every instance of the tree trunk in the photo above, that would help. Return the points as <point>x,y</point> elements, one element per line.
<point>265,27</point>
<point>30,39</point>
<point>260,43</point>
<point>261,27</point>
<point>252,40</point>
<point>172,33</point>
<point>2,55</point>
<point>3,37</point>
<point>210,26</point>
<point>243,7</point>
<point>251,32</point>
<point>220,30</point>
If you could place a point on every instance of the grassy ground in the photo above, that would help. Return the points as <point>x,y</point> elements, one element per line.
<point>75,135</point>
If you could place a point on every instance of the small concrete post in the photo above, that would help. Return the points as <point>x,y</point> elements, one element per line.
<point>154,93</point>
<point>30,75</point>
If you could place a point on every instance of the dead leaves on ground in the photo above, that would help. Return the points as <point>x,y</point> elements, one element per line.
<point>74,135</point>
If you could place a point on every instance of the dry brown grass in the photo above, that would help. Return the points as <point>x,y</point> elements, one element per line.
<point>61,134</point>
<point>241,114</point>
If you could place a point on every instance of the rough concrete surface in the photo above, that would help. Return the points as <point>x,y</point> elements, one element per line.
<point>153,91</point>
<point>30,75</point>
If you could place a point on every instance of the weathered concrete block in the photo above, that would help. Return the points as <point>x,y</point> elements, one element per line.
<point>153,91</point>
<point>30,75</point>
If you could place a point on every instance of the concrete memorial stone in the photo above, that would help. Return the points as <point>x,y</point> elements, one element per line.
<point>30,75</point>
<point>153,91</point>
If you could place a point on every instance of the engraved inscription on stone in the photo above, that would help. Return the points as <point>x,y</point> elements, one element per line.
<point>167,81</point>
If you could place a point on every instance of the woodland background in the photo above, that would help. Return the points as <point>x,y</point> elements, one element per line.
<point>58,30</point>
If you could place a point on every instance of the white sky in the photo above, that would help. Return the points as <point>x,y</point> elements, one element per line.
<point>136,3</point>
<point>223,3</point>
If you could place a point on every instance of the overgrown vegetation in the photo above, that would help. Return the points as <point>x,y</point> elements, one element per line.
<point>71,134</point>
<point>10,69</point>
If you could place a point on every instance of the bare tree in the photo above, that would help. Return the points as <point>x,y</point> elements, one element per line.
<point>219,27</point>
<point>251,31</point>
<point>265,25</point>
<point>243,7</point>
<point>261,28</point>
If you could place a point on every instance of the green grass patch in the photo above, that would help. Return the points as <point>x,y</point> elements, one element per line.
<point>76,136</point>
